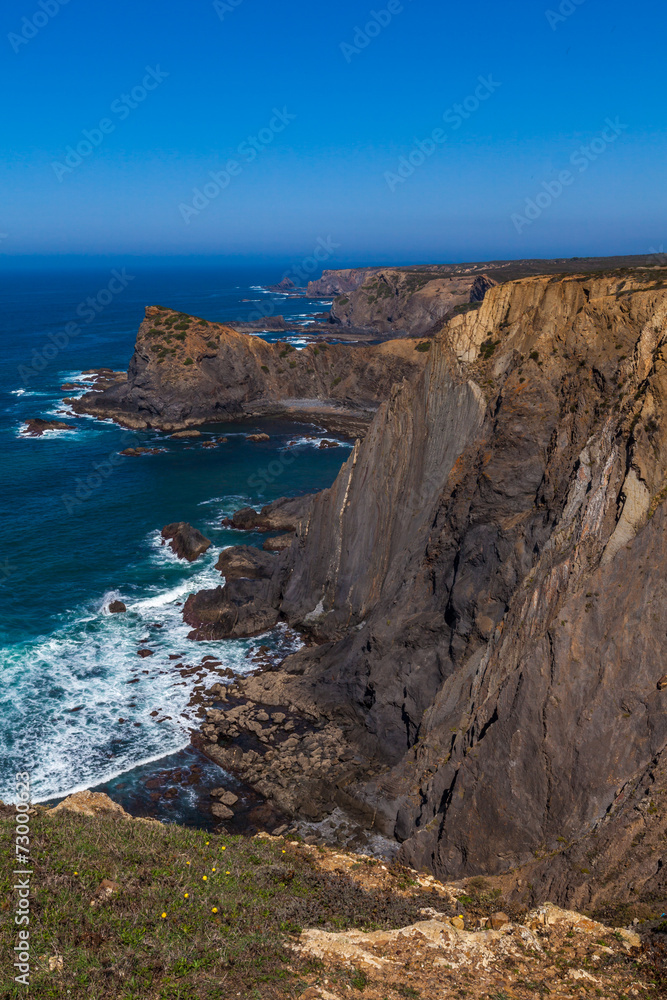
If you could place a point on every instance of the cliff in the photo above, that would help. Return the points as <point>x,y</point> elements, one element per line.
<point>186,371</point>
<point>405,301</point>
<point>485,582</point>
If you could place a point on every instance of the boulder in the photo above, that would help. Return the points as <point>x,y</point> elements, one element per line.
<point>498,920</point>
<point>117,608</point>
<point>185,541</point>
<point>285,514</point>
<point>221,812</point>
<point>245,562</point>
<point>186,434</point>
<point>257,437</point>
<point>278,544</point>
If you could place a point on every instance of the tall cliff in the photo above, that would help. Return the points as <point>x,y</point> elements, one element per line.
<point>186,371</point>
<point>486,582</point>
<point>397,300</point>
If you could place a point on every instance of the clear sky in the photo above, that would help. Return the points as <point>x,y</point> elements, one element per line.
<point>317,117</point>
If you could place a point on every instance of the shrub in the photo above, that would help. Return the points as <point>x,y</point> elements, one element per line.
<point>265,368</point>
<point>425,346</point>
<point>336,382</point>
<point>188,361</point>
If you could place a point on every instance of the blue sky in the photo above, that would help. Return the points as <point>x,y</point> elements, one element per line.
<point>331,114</point>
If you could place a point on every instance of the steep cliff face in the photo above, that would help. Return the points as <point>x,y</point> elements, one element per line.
<point>487,580</point>
<point>186,371</point>
<point>406,301</point>
<point>340,282</point>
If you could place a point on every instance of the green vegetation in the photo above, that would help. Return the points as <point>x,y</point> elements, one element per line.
<point>336,382</point>
<point>424,346</point>
<point>342,300</point>
<point>487,348</point>
<point>192,916</point>
<point>292,364</point>
<point>188,361</point>
<point>265,368</point>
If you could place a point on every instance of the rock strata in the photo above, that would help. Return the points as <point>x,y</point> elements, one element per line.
<point>485,583</point>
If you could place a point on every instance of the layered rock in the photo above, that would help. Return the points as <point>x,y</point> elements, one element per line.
<point>404,301</point>
<point>486,579</point>
<point>186,371</point>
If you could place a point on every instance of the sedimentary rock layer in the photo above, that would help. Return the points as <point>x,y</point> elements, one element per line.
<point>486,583</point>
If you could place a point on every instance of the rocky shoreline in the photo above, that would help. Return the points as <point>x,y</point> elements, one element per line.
<point>472,644</point>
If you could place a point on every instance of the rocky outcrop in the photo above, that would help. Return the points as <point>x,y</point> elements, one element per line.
<point>285,514</point>
<point>185,541</point>
<point>333,283</point>
<point>411,302</point>
<point>245,562</point>
<point>486,583</point>
<point>186,371</point>
<point>37,426</point>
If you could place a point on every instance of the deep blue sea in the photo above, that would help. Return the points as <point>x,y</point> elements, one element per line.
<point>78,529</point>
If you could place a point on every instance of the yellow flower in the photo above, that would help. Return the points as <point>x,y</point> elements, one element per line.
<point>164,916</point>
<point>186,896</point>
<point>284,852</point>
<point>214,910</point>
<point>205,878</point>
<point>76,873</point>
<point>224,848</point>
<point>228,873</point>
<point>212,869</point>
<point>187,862</point>
<point>208,842</point>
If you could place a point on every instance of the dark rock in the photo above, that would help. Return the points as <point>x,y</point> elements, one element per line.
<point>285,514</point>
<point>117,608</point>
<point>221,812</point>
<point>186,434</point>
<point>185,541</point>
<point>137,452</point>
<point>145,652</point>
<point>36,427</point>
<point>244,561</point>
<point>257,437</point>
<point>278,544</point>
<point>662,683</point>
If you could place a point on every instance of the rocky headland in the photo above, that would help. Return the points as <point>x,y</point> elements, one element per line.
<point>482,595</point>
<point>186,372</point>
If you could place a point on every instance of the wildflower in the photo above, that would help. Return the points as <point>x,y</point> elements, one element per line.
<point>76,873</point>
<point>224,848</point>
<point>186,896</point>
<point>205,878</point>
<point>214,910</point>
<point>212,869</point>
<point>228,873</point>
<point>187,862</point>
<point>164,915</point>
<point>208,842</point>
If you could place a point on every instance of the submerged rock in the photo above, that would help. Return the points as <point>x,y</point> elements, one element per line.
<point>37,426</point>
<point>117,608</point>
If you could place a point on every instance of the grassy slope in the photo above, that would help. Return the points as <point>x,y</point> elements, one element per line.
<point>227,938</point>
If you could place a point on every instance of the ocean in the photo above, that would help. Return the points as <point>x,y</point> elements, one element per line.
<point>80,527</point>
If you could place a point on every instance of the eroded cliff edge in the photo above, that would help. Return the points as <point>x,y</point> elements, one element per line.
<point>186,371</point>
<point>486,584</point>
